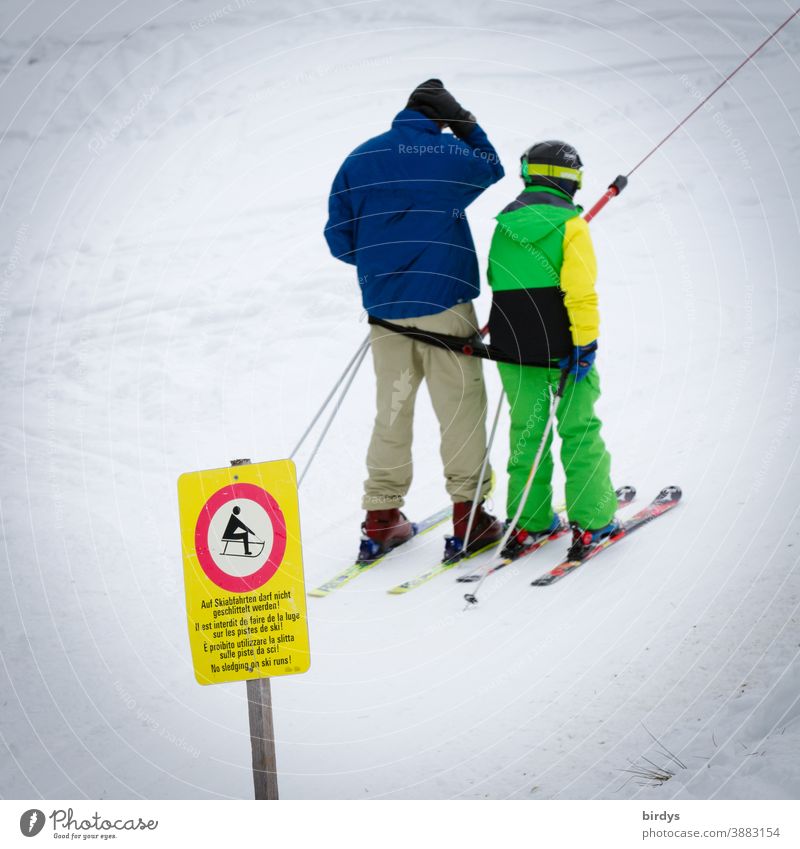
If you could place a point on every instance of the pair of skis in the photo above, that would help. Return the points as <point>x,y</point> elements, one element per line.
<point>360,566</point>
<point>625,495</point>
<point>664,501</point>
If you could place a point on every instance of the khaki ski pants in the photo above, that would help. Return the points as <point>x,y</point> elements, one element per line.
<point>458,395</point>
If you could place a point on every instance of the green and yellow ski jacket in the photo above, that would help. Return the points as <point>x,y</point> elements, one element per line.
<point>542,271</point>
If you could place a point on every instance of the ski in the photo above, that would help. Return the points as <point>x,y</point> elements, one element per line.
<point>360,566</point>
<point>438,569</point>
<point>664,501</point>
<point>625,494</point>
<point>507,561</point>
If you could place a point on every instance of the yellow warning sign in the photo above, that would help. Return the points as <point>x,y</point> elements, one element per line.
<point>243,572</point>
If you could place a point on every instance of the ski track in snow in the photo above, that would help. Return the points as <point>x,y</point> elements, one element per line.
<point>167,303</point>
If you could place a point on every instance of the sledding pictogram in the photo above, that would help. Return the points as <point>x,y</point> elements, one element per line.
<point>237,533</point>
<point>240,537</point>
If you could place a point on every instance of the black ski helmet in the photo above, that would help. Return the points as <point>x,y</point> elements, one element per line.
<point>555,164</point>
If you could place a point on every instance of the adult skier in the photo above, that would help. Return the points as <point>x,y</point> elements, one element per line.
<point>542,272</point>
<point>397,213</point>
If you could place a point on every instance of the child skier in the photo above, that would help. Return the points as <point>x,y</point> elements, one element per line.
<point>542,272</point>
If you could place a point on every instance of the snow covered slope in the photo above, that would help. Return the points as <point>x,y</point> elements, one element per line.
<point>167,303</point>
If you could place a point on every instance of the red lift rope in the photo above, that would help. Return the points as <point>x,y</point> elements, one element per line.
<point>622,180</point>
<point>619,184</point>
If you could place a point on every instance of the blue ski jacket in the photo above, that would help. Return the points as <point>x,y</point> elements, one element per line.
<point>396,212</point>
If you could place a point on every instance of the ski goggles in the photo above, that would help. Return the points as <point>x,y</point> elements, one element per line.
<point>556,172</point>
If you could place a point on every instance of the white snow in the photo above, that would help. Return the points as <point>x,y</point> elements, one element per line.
<point>167,303</point>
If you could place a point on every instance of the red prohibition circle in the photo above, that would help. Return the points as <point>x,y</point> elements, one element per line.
<point>245,583</point>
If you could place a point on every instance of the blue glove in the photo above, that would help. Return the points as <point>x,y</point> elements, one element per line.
<point>580,360</point>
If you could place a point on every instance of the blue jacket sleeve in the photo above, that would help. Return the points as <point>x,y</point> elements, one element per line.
<point>484,167</point>
<point>340,229</point>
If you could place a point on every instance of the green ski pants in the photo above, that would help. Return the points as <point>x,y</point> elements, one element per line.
<point>591,501</point>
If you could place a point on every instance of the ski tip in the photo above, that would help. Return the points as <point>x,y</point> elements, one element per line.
<point>626,494</point>
<point>670,494</point>
<point>318,593</point>
<point>398,590</point>
<point>546,580</point>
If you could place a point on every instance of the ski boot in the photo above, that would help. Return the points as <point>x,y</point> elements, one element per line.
<point>485,531</point>
<point>521,540</point>
<point>583,541</point>
<point>382,531</point>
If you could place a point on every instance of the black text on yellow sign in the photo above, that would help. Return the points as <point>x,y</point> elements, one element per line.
<point>243,572</point>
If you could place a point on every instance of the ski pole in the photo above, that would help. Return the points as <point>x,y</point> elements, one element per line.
<point>474,508</point>
<point>330,395</point>
<point>362,352</point>
<point>472,598</point>
<point>622,180</point>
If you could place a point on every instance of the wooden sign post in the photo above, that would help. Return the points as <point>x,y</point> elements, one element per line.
<point>245,593</point>
<point>262,739</point>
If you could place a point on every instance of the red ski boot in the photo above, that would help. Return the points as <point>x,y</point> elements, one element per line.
<point>382,531</point>
<point>485,531</point>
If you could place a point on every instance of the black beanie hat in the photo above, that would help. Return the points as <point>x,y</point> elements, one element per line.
<point>420,102</point>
